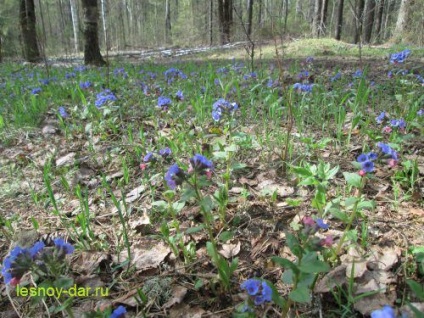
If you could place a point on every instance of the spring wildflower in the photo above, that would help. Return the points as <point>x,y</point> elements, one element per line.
<point>200,164</point>
<point>303,75</point>
<point>420,112</point>
<point>118,312</point>
<point>251,286</point>
<point>165,152</point>
<point>399,57</point>
<point>385,312</point>
<point>368,166</point>
<point>103,97</point>
<point>387,150</point>
<point>179,95</point>
<point>362,158</point>
<point>220,107</point>
<point>390,74</point>
<point>336,77</point>
<point>174,176</point>
<point>306,88</point>
<point>163,102</point>
<point>327,241</point>
<point>62,112</point>
<point>149,157</point>
<point>380,117</point>
<point>321,224</point>
<point>36,91</point>
<point>387,129</point>
<point>398,123</point>
<point>357,74</point>
<point>85,85</point>
<point>260,290</point>
<point>63,247</point>
<point>309,59</point>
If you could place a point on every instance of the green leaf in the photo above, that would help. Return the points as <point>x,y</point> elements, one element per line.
<point>300,295</point>
<point>238,166</point>
<point>194,229</point>
<point>417,288</point>
<point>311,264</point>
<point>226,235</point>
<point>308,181</point>
<point>287,277</point>
<point>353,179</point>
<point>366,204</point>
<point>63,282</point>
<point>302,172</point>
<point>178,206</point>
<point>285,263</point>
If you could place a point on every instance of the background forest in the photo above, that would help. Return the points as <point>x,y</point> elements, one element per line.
<point>134,24</point>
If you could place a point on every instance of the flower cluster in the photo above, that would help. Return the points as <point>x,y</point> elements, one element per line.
<point>174,176</point>
<point>85,85</point>
<point>394,123</point>
<point>400,57</point>
<point>358,74</point>
<point>420,112</point>
<point>120,72</point>
<point>22,260</point>
<point>201,165</point>
<point>366,161</point>
<point>306,88</point>
<point>258,289</point>
<point>336,77</point>
<point>385,312</point>
<point>221,106</point>
<point>172,74</point>
<point>310,227</point>
<point>251,75</point>
<point>165,153</point>
<point>36,91</point>
<point>179,95</point>
<point>103,97</point>
<point>164,102</point>
<point>303,75</point>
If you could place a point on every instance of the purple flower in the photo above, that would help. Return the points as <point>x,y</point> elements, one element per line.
<point>200,163</point>
<point>387,150</point>
<point>70,75</point>
<point>179,95</point>
<point>336,77</point>
<point>36,91</point>
<point>420,112</point>
<point>303,75</point>
<point>309,59</point>
<point>372,156</point>
<point>163,102</point>
<point>362,158</point>
<point>85,85</point>
<point>321,224</point>
<point>16,264</point>
<point>63,247</point>
<point>118,312</point>
<point>103,97</point>
<point>251,286</point>
<point>306,88</point>
<point>174,176</point>
<point>149,157</point>
<point>36,248</point>
<point>220,107</point>
<point>400,57</point>
<point>385,312</point>
<point>357,74</point>
<point>399,123</point>
<point>165,152</point>
<point>390,74</point>
<point>368,166</point>
<point>380,117</point>
<point>62,112</point>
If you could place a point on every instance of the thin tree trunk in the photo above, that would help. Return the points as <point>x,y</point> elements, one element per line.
<point>323,22</point>
<point>339,22</point>
<point>225,14</point>
<point>402,19</point>
<point>104,25</point>
<point>379,20</point>
<point>250,18</point>
<point>369,20</point>
<point>286,14</point>
<point>91,46</point>
<point>316,22</point>
<point>359,20</point>
<point>211,22</point>
<point>74,17</point>
<point>168,39</point>
<point>29,35</point>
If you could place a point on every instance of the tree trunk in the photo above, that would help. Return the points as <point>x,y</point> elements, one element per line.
<point>369,20</point>
<point>402,19</point>
<point>298,9</point>
<point>168,39</point>
<point>379,20</point>
<point>260,14</point>
<point>316,22</point>
<point>91,38</point>
<point>358,20</point>
<point>29,34</point>
<point>339,22</point>
<point>74,17</point>
<point>211,22</point>
<point>250,18</point>
<point>323,22</point>
<point>225,15</point>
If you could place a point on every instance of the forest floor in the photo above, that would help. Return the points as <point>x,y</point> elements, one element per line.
<point>313,192</point>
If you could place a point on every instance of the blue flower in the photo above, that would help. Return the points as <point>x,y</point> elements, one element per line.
<point>368,166</point>
<point>385,312</point>
<point>36,91</point>
<point>372,156</point>
<point>163,102</point>
<point>179,95</point>
<point>399,123</point>
<point>399,57</point>
<point>222,70</point>
<point>380,117</point>
<point>36,248</point>
<point>70,75</point>
<point>200,163</point>
<point>321,224</point>
<point>357,74</point>
<point>387,150</point>
<point>104,97</point>
<point>80,68</point>
<point>362,158</point>
<point>85,85</point>
<point>309,59</point>
<point>420,79</point>
<point>307,88</point>
<point>303,75</point>
<point>118,312</point>
<point>16,264</point>
<point>165,152</point>
<point>62,112</point>
<point>63,247</point>
<point>149,157</point>
<point>222,106</point>
<point>336,77</point>
<point>174,176</point>
<point>420,112</point>
<point>251,286</point>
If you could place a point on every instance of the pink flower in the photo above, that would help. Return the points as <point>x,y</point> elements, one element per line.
<point>307,220</point>
<point>15,281</point>
<point>209,174</point>
<point>392,163</point>
<point>143,166</point>
<point>328,241</point>
<point>362,173</point>
<point>387,129</point>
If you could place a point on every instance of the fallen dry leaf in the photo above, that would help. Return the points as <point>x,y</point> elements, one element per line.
<point>230,250</point>
<point>178,294</point>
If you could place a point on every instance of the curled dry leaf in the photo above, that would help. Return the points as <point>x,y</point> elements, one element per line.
<point>230,250</point>
<point>87,262</point>
<point>178,294</point>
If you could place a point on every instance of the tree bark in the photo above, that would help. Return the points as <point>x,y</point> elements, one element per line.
<point>168,39</point>
<point>74,18</point>
<point>29,35</point>
<point>369,15</point>
<point>402,19</point>
<point>359,20</point>
<point>339,22</point>
<point>250,18</point>
<point>316,22</point>
<point>211,22</point>
<point>91,38</point>
<point>379,20</point>
<point>225,15</point>
<point>323,22</point>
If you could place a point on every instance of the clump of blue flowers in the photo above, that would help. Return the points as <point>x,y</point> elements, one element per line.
<point>172,74</point>
<point>36,91</point>
<point>151,157</point>
<point>164,102</point>
<point>62,112</point>
<point>174,176</point>
<point>366,161</point>
<point>399,57</point>
<point>118,312</point>
<point>222,107</point>
<point>85,85</point>
<point>104,97</point>
<point>385,312</point>
<point>258,289</point>
<point>303,88</point>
